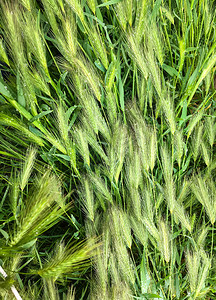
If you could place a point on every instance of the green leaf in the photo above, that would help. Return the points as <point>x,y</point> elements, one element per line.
<point>191,49</point>
<point>99,65</point>
<point>5,234</point>
<point>63,76</point>
<point>75,115</point>
<point>177,286</point>
<point>145,278</point>
<point>155,10</point>
<point>171,71</point>
<point>192,79</point>
<point>111,2</point>
<point>2,99</point>
<point>45,98</point>
<point>66,157</point>
<point>4,89</point>
<point>121,94</point>
<point>40,115</point>
<point>70,110</point>
<point>150,296</point>
<point>36,131</point>
<point>29,244</point>
<point>186,164</point>
<point>99,15</point>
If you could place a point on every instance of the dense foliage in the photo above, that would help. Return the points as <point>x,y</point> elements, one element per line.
<point>107,149</point>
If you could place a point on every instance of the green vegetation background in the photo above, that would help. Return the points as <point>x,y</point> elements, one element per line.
<point>107,149</point>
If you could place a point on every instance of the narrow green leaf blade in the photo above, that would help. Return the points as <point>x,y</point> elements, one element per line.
<point>108,3</point>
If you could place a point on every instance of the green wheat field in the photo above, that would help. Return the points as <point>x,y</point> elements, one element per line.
<point>107,149</point>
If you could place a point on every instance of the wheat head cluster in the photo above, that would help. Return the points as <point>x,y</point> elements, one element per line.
<point>107,149</point>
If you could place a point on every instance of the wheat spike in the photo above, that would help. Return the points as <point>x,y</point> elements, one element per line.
<point>88,199</point>
<point>153,148</point>
<point>205,152</point>
<point>157,42</point>
<point>153,68</point>
<point>180,214</point>
<point>28,167</point>
<point>193,264</point>
<point>210,130</point>
<point>140,231</point>
<point>206,264</point>
<point>147,202</point>
<point>193,122</point>
<point>98,46</point>
<point>117,151</point>
<point>42,209</point>
<point>34,40</point>
<point>198,265</point>
<point>169,112</point>
<point>179,146</point>
<point>101,188</point>
<point>140,21</point>
<point>202,234</point>
<point>196,141</point>
<point>136,203</point>
<point>137,53</point>
<point>125,264</point>
<point>170,192</point>
<point>205,196</point>
<point>68,259</point>
<point>150,226</point>
<point>14,194</point>
<point>164,243</point>
<point>81,139</point>
<point>126,228</point>
<point>133,167</point>
<point>78,9</point>
<point>111,107</point>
